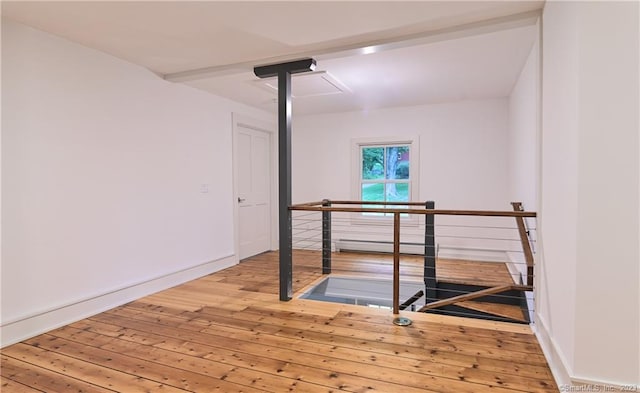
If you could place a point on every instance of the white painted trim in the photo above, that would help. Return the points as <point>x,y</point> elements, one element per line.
<point>601,385</point>
<point>32,325</point>
<point>558,365</point>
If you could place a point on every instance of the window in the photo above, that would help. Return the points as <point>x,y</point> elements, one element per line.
<point>385,170</point>
<point>385,173</point>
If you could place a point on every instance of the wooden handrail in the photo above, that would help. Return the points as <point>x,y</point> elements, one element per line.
<point>318,203</point>
<point>524,240</point>
<point>377,203</point>
<point>473,295</point>
<point>485,213</point>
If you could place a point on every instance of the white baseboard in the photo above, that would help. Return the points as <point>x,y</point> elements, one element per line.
<point>602,386</point>
<point>559,369</point>
<point>562,374</point>
<point>29,326</point>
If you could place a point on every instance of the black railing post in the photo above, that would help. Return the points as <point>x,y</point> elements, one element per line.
<point>430,284</point>
<point>284,193</point>
<point>326,238</point>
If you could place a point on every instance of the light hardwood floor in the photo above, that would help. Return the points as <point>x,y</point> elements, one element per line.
<point>228,332</point>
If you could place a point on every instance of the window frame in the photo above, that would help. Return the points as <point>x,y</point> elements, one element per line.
<point>413,142</point>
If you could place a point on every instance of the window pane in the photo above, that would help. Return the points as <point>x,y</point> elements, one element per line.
<point>397,162</point>
<point>402,167</point>
<point>372,163</point>
<point>397,192</point>
<point>373,191</point>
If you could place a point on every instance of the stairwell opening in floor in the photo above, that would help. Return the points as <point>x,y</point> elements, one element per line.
<point>370,292</point>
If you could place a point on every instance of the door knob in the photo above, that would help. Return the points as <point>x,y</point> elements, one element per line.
<point>240,200</point>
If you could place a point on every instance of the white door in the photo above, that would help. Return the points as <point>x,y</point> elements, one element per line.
<point>254,180</point>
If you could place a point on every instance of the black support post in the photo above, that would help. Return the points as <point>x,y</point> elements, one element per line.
<point>283,71</point>
<point>430,284</point>
<point>326,238</point>
<point>284,187</point>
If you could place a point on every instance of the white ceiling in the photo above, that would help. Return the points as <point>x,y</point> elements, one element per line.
<point>425,52</point>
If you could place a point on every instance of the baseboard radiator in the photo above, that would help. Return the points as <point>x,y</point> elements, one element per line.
<point>445,252</point>
<point>380,246</point>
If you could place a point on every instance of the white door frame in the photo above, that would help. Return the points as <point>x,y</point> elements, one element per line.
<point>240,120</point>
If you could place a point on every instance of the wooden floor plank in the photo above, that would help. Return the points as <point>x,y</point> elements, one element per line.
<point>248,341</point>
<point>289,357</point>
<point>197,321</point>
<point>412,337</point>
<point>212,376</point>
<point>228,332</point>
<point>41,379</point>
<point>8,385</point>
<point>267,322</point>
<point>100,375</point>
<point>187,373</point>
<point>224,324</point>
<point>274,375</point>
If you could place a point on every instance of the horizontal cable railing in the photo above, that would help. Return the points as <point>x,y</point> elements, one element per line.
<point>330,228</point>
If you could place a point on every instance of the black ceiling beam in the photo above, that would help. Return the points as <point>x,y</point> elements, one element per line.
<point>292,67</point>
<point>283,71</point>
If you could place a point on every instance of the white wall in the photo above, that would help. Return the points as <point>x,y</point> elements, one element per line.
<point>523,152</point>
<point>102,167</point>
<point>556,268</point>
<point>607,183</point>
<point>476,160</point>
<point>523,134</point>
<point>588,289</point>
<point>463,154</point>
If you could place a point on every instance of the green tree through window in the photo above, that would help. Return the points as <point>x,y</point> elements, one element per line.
<point>385,174</point>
